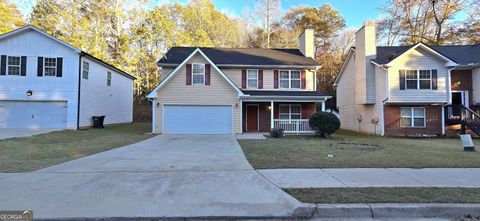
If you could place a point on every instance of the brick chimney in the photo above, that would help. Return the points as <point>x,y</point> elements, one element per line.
<point>307,45</point>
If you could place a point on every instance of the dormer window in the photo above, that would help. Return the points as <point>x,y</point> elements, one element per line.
<point>198,74</point>
<point>252,79</point>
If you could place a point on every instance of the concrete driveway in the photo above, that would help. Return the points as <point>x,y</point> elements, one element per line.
<point>6,133</point>
<point>165,176</point>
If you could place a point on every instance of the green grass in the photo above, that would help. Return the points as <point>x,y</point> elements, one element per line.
<point>33,153</point>
<point>358,150</point>
<point>387,195</point>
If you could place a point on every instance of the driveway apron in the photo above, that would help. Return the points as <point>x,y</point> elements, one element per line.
<point>165,176</point>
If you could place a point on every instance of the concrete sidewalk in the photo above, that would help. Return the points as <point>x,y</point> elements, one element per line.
<point>374,177</point>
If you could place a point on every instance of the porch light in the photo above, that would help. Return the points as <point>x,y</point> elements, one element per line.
<point>29,93</point>
<point>269,107</point>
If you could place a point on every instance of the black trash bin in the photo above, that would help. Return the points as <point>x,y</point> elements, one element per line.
<point>98,121</point>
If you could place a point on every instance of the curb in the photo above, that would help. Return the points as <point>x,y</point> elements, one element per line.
<point>403,210</point>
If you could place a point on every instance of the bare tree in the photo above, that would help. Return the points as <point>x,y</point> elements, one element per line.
<point>269,10</point>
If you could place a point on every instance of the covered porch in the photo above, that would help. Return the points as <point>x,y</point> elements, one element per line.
<point>260,114</point>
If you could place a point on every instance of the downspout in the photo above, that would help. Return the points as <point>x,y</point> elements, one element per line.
<point>387,96</point>
<point>79,86</point>
<point>154,109</point>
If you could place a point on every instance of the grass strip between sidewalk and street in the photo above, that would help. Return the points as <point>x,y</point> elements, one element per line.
<point>386,195</point>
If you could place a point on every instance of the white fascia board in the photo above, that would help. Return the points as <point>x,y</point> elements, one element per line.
<point>450,63</point>
<point>31,27</point>
<point>350,53</point>
<point>174,72</point>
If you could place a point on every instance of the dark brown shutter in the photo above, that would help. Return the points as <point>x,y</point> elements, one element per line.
<point>40,67</point>
<point>244,79</point>
<point>434,80</point>
<point>189,74</point>
<point>59,67</point>
<point>303,80</point>
<point>402,79</point>
<point>304,110</point>
<point>276,111</point>
<point>275,79</point>
<point>23,66</point>
<point>207,74</point>
<point>260,79</point>
<point>3,65</point>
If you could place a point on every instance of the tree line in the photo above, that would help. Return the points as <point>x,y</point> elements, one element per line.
<point>134,34</point>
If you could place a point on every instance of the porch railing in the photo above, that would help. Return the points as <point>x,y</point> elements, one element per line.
<point>293,126</point>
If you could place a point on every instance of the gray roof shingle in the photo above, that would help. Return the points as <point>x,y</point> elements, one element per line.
<point>241,56</point>
<point>462,54</point>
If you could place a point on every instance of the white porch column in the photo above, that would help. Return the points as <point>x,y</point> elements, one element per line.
<point>323,105</point>
<point>271,114</point>
<point>154,109</point>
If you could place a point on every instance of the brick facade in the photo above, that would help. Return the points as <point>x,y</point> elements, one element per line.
<point>433,121</point>
<point>264,113</point>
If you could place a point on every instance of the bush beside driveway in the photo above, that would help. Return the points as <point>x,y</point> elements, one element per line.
<point>32,153</point>
<point>353,150</point>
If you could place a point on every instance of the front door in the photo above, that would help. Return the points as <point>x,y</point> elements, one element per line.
<point>252,117</point>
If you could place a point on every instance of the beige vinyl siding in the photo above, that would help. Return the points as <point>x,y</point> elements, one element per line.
<point>219,92</point>
<point>236,76</point>
<point>350,110</point>
<point>418,59</point>
<point>365,49</point>
<point>476,85</point>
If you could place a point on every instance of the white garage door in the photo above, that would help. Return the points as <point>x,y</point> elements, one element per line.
<point>33,114</point>
<point>189,119</point>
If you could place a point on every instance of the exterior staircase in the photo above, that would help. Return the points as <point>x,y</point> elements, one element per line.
<point>459,114</point>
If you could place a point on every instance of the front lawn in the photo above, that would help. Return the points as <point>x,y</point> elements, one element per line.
<point>32,153</point>
<point>387,195</point>
<point>351,149</point>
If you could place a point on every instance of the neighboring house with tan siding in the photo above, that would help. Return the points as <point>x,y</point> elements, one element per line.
<point>236,90</point>
<point>416,90</point>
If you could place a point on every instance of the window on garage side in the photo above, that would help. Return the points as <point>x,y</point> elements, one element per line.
<point>109,78</point>
<point>86,70</point>
<point>198,74</point>
<point>50,66</point>
<point>13,65</point>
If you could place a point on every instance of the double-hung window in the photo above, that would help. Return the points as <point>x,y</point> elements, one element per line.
<point>109,78</point>
<point>252,79</point>
<point>290,111</point>
<point>198,74</point>
<point>412,117</point>
<point>290,79</point>
<point>418,79</point>
<point>13,65</point>
<point>50,66</point>
<point>86,70</point>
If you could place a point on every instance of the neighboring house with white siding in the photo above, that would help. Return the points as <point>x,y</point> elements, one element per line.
<point>415,90</point>
<point>47,83</point>
<point>236,90</point>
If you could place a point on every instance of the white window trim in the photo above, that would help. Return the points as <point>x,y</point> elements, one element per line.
<point>289,79</point>
<point>289,111</point>
<point>83,70</point>
<point>203,83</point>
<point>19,66</point>
<point>412,118</point>
<point>256,78</point>
<point>45,67</point>
<point>418,79</point>
<point>109,78</point>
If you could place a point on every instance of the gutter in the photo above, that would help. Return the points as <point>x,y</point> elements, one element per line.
<point>79,86</point>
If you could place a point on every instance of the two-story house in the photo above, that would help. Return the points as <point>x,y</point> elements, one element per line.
<point>415,90</point>
<point>236,90</point>
<point>47,83</point>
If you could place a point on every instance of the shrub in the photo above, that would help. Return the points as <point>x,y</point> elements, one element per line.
<point>276,132</point>
<point>324,123</point>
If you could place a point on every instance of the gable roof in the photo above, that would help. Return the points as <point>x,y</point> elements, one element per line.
<point>461,54</point>
<point>176,70</point>
<point>228,57</point>
<point>82,53</point>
